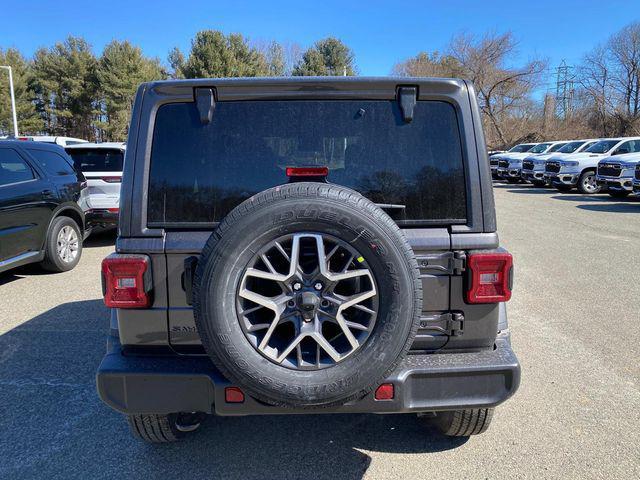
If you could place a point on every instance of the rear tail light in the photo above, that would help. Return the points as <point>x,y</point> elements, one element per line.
<point>491,276</point>
<point>111,179</point>
<point>113,210</point>
<point>126,281</point>
<point>307,171</point>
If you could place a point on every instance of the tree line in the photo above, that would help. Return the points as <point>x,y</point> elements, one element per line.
<point>68,90</point>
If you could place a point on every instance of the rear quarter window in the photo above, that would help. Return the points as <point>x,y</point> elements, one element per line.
<point>51,162</point>
<point>199,172</point>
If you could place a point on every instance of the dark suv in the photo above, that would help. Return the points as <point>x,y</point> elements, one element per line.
<point>42,205</point>
<point>307,245</point>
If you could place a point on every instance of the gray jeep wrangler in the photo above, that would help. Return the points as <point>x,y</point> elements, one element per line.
<point>306,245</point>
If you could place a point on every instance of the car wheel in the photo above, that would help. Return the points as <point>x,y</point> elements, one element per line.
<point>587,183</point>
<point>317,305</point>
<point>154,428</point>
<point>63,245</point>
<point>463,423</point>
<point>619,193</point>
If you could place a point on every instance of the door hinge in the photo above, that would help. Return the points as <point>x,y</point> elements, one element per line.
<point>449,323</point>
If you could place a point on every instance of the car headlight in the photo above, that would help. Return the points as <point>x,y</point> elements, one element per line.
<point>570,164</point>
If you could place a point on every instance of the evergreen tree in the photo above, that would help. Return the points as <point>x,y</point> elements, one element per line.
<point>65,86</point>
<point>327,57</point>
<point>215,55</point>
<point>29,122</point>
<point>121,68</point>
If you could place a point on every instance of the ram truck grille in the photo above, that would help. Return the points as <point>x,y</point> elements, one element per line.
<point>609,169</point>
<point>553,167</point>
<point>527,165</point>
<point>503,163</point>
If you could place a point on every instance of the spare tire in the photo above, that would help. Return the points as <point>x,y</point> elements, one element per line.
<point>307,295</point>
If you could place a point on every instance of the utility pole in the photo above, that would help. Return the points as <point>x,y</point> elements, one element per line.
<point>13,101</point>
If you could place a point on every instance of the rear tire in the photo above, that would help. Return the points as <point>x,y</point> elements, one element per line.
<point>154,428</point>
<point>58,257</point>
<point>587,183</point>
<point>618,193</point>
<point>463,423</point>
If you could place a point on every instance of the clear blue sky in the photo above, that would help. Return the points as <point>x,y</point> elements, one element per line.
<point>380,33</point>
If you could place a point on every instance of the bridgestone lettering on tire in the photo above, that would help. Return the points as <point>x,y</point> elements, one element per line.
<point>307,295</point>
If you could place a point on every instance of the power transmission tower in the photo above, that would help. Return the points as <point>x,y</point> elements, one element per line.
<point>564,90</point>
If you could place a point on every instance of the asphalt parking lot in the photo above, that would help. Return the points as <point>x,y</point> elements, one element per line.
<point>574,317</point>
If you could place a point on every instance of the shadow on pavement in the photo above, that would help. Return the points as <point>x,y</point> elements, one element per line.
<point>612,207</point>
<point>55,426</point>
<point>532,191</point>
<point>101,238</point>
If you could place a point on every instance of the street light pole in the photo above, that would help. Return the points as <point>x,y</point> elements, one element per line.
<point>13,101</point>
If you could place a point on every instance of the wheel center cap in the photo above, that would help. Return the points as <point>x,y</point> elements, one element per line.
<point>307,303</point>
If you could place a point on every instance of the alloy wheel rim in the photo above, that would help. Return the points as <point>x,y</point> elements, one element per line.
<point>307,301</point>
<point>67,244</point>
<point>589,183</point>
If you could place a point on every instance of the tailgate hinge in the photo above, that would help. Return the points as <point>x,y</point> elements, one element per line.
<point>450,263</point>
<point>407,98</point>
<point>457,262</point>
<point>206,103</point>
<point>450,323</point>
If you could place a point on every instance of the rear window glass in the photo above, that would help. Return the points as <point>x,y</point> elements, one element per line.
<point>413,170</point>
<point>97,160</point>
<point>53,163</point>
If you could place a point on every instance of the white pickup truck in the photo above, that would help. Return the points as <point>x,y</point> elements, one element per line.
<point>616,174</point>
<point>580,170</point>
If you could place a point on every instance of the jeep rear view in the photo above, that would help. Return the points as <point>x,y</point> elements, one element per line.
<point>307,245</point>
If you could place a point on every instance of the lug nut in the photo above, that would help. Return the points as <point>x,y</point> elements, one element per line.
<point>324,303</point>
<point>291,303</point>
<point>318,286</point>
<point>297,286</point>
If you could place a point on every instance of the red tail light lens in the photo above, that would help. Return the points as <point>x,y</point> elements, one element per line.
<point>113,210</point>
<point>491,276</point>
<point>307,171</point>
<point>126,281</point>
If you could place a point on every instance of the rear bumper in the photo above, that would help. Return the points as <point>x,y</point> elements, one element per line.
<point>422,383</point>
<point>102,217</point>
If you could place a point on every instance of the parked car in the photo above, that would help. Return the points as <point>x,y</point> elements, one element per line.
<point>533,166</point>
<point>62,141</point>
<point>580,170</point>
<point>636,180</point>
<point>101,164</point>
<point>268,290</point>
<point>510,166</point>
<point>515,151</point>
<point>616,174</point>
<point>42,204</point>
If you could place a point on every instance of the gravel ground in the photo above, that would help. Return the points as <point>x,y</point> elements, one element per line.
<point>574,320</point>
